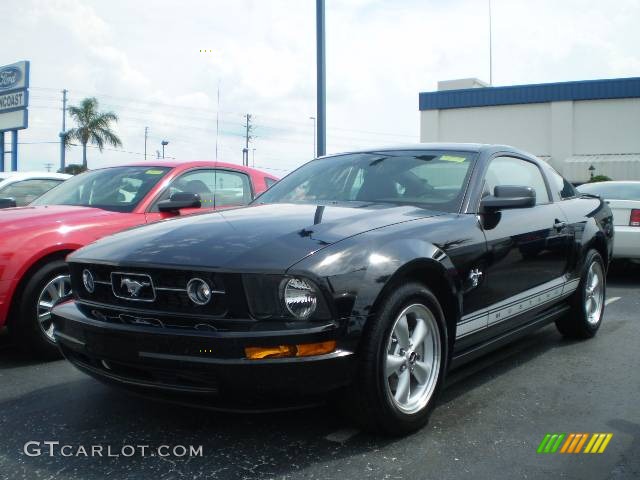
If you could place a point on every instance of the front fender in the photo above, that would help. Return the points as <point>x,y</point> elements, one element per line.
<point>357,272</point>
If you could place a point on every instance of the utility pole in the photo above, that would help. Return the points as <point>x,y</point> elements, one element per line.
<point>217,120</point>
<point>146,135</point>
<point>48,166</point>
<point>321,79</point>
<point>490,48</point>
<point>64,129</point>
<point>248,137</point>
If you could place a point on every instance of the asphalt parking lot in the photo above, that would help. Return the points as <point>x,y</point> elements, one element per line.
<point>489,422</point>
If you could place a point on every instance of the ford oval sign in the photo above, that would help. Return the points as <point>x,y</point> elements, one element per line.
<point>10,78</point>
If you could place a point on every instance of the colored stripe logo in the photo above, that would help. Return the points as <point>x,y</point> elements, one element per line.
<point>574,443</point>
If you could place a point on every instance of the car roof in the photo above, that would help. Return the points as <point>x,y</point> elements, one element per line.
<point>28,175</point>
<point>609,182</point>
<point>191,164</point>
<point>460,147</point>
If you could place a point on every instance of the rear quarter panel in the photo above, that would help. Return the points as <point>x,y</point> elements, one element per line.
<point>592,223</point>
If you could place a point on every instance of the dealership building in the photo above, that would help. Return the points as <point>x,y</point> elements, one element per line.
<point>581,128</point>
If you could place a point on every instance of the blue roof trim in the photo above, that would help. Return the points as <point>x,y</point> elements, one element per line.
<point>537,93</point>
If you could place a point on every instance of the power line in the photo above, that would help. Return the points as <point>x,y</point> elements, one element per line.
<point>128,101</point>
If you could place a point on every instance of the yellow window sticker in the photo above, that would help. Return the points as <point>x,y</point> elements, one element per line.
<point>154,172</point>
<point>451,158</point>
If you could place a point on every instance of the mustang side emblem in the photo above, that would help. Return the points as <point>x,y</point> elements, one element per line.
<point>133,286</point>
<point>474,276</point>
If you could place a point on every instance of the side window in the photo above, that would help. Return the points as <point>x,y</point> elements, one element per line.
<point>561,185</point>
<point>514,171</point>
<point>232,189</point>
<point>27,191</point>
<point>194,181</point>
<point>357,184</point>
<point>269,182</point>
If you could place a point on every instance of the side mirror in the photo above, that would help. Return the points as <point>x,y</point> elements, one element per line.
<point>7,203</point>
<point>180,200</point>
<point>509,196</point>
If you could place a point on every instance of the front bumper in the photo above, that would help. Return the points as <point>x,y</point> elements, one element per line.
<point>165,361</point>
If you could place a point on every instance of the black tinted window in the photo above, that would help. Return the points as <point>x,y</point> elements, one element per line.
<point>561,185</point>
<point>517,172</point>
<point>119,188</point>
<point>432,179</point>
<point>216,188</point>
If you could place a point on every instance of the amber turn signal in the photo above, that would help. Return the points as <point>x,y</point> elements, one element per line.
<point>283,351</point>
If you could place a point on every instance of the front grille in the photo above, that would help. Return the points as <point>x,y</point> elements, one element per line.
<point>168,291</point>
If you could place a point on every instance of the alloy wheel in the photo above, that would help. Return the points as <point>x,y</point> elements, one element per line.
<point>55,291</point>
<point>412,362</point>
<point>594,293</point>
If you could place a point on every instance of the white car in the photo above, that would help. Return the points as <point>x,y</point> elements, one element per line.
<point>624,199</point>
<point>25,187</point>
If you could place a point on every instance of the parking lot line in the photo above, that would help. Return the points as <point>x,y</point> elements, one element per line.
<point>611,300</point>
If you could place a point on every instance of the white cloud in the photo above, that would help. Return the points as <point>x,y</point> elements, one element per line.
<point>143,60</point>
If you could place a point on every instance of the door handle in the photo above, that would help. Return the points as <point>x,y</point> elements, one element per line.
<point>558,225</point>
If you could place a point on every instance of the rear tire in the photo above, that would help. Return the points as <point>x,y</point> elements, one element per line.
<point>31,328</point>
<point>588,301</point>
<point>402,363</point>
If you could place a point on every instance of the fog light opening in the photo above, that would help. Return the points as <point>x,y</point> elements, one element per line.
<point>199,291</point>
<point>88,281</point>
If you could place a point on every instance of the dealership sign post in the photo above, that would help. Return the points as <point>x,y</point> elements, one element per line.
<point>14,100</point>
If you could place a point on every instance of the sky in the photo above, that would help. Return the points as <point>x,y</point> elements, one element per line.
<point>146,61</point>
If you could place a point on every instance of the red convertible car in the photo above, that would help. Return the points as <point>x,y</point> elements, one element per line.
<point>36,239</point>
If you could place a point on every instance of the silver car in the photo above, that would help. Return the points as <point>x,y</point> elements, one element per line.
<point>21,188</point>
<point>624,199</point>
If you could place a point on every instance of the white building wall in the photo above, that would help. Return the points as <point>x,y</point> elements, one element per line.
<point>571,135</point>
<point>607,126</point>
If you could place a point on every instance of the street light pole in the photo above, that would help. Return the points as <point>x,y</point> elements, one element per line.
<point>314,135</point>
<point>321,79</point>
<point>62,132</point>
<point>164,143</point>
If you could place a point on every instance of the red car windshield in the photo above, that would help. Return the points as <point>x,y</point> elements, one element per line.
<point>119,189</point>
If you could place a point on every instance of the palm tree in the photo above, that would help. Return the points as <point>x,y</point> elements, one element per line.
<point>93,127</point>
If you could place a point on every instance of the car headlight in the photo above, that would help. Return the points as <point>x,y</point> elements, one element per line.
<point>88,281</point>
<point>299,297</point>
<point>199,291</point>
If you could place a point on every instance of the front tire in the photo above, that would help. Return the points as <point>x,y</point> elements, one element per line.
<point>588,302</point>
<point>402,362</point>
<point>32,328</point>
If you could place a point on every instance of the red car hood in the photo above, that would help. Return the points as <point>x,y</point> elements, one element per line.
<point>52,216</point>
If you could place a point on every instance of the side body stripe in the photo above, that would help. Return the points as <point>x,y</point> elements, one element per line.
<point>499,312</point>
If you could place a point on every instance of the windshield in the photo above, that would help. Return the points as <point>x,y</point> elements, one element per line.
<point>119,189</point>
<point>612,191</point>
<point>434,180</point>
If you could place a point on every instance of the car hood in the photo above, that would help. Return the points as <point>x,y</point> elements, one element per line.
<point>50,217</point>
<point>256,238</point>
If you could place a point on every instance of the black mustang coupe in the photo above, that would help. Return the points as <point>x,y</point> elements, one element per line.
<point>362,277</point>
